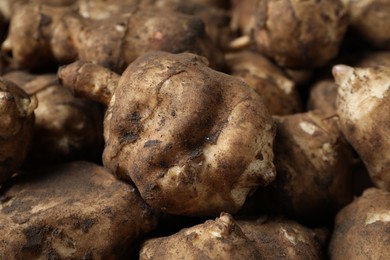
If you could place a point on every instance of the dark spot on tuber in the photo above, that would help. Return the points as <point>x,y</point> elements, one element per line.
<point>151,143</point>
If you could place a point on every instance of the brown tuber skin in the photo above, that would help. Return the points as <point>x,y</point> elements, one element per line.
<point>276,89</point>
<point>278,238</point>
<point>60,35</point>
<point>363,105</point>
<point>313,164</point>
<point>362,229</point>
<point>71,211</point>
<point>194,141</point>
<point>66,127</point>
<point>296,34</point>
<point>370,20</point>
<point>226,238</point>
<point>16,127</point>
<point>215,239</point>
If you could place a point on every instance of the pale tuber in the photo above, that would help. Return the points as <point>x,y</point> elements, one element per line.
<point>363,105</point>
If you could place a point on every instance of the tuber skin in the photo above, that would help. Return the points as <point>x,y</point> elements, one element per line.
<point>278,238</point>
<point>370,19</point>
<point>60,35</point>
<point>276,89</point>
<point>193,140</point>
<point>296,34</point>
<point>226,238</point>
<point>16,127</point>
<point>362,229</point>
<point>71,211</point>
<point>66,128</point>
<point>362,105</point>
<point>313,164</point>
<point>215,239</point>
<point>323,96</point>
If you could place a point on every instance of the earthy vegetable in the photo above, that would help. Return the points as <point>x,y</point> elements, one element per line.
<point>194,141</point>
<point>16,126</point>
<point>277,90</point>
<point>278,238</point>
<point>226,238</point>
<point>362,229</point>
<point>215,239</point>
<point>66,127</point>
<point>313,164</point>
<point>294,33</point>
<point>370,19</point>
<point>60,35</point>
<point>363,105</point>
<point>72,211</point>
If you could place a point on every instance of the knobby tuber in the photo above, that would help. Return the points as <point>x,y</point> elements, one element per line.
<point>362,105</point>
<point>215,239</point>
<point>71,211</point>
<point>278,238</point>
<point>277,90</point>
<point>16,126</point>
<point>66,127</point>
<point>225,238</point>
<point>296,34</point>
<point>362,229</point>
<point>313,164</point>
<point>60,35</point>
<point>193,140</point>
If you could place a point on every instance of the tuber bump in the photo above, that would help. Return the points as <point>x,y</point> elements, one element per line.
<point>193,140</point>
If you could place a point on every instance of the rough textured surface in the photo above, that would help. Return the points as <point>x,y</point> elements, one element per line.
<point>194,141</point>
<point>284,239</point>
<point>313,165</point>
<point>16,127</point>
<point>277,90</point>
<point>61,35</point>
<point>65,127</point>
<point>295,33</point>
<point>370,19</point>
<point>72,211</point>
<point>362,229</point>
<point>215,239</point>
<point>363,105</point>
